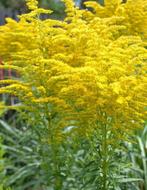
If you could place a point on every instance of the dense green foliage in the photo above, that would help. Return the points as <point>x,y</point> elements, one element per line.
<point>29,163</point>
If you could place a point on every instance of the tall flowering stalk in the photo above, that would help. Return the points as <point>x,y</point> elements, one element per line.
<point>88,71</point>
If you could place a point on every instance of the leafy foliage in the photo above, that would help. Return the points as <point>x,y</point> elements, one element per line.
<point>30,165</point>
<point>23,163</point>
<point>2,167</point>
<point>138,157</point>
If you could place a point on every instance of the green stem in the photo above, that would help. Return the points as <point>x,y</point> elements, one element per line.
<point>104,155</point>
<point>56,161</point>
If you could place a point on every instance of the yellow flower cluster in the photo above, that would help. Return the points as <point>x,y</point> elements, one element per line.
<point>133,14</point>
<point>86,71</point>
<point>32,4</point>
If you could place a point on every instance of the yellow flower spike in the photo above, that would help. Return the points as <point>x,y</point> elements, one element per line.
<point>42,90</point>
<point>94,5</point>
<point>121,100</point>
<point>32,4</point>
<point>70,9</point>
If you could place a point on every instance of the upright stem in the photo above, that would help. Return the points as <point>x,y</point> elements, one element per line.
<point>57,182</point>
<point>55,159</point>
<point>105,158</point>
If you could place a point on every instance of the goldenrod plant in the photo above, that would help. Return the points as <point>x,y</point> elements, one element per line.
<point>133,13</point>
<point>87,71</point>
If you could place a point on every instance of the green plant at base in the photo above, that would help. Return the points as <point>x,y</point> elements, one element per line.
<point>2,167</point>
<point>138,158</point>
